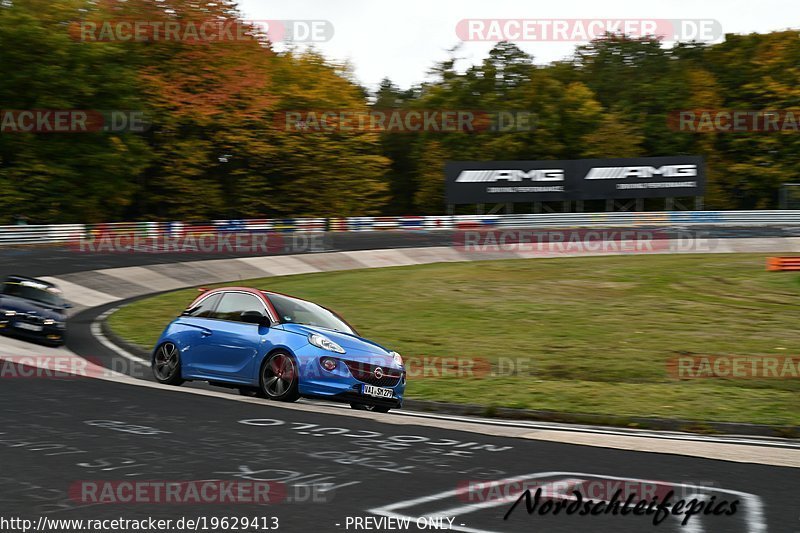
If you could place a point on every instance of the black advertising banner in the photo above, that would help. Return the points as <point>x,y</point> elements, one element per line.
<point>471,182</point>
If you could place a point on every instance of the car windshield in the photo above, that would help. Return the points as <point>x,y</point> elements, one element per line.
<point>295,311</point>
<point>30,290</point>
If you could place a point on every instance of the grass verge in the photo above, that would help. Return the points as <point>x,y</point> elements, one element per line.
<point>584,335</point>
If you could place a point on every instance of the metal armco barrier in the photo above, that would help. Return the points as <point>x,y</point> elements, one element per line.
<point>63,233</point>
<point>70,233</point>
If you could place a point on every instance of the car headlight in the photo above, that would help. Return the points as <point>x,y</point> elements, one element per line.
<point>9,312</point>
<point>398,359</point>
<point>321,341</point>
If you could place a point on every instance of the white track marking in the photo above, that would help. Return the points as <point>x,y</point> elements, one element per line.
<point>81,294</point>
<point>754,514</point>
<point>602,430</point>
<point>694,525</point>
<point>97,333</point>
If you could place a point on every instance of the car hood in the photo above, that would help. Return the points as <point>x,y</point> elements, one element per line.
<point>21,305</point>
<point>352,344</point>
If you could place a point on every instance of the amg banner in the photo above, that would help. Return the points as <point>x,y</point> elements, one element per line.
<point>471,182</point>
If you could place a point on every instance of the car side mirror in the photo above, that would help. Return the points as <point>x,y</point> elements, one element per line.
<point>67,305</point>
<point>254,317</point>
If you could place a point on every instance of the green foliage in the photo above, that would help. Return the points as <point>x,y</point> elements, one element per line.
<point>215,149</point>
<point>613,99</point>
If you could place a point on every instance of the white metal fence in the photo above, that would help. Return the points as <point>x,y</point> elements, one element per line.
<point>71,233</point>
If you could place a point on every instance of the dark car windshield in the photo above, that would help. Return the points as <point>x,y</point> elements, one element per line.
<point>30,290</point>
<point>295,311</point>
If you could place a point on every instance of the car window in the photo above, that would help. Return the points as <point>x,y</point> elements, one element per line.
<point>31,290</point>
<point>206,307</point>
<point>233,304</point>
<point>294,310</point>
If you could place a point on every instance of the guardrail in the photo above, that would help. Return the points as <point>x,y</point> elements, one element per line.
<point>71,233</point>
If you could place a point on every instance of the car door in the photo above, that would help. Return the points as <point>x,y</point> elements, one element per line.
<point>196,326</point>
<point>230,351</point>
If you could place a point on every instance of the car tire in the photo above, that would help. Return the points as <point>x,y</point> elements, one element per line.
<point>280,377</point>
<point>167,364</point>
<point>369,407</point>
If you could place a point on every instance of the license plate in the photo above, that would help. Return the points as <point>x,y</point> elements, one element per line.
<point>29,327</point>
<point>378,392</point>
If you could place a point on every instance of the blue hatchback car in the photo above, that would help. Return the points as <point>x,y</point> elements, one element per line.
<point>278,347</point>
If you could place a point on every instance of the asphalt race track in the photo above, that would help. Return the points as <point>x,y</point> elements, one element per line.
<point>57,433</point>
<point>64,440</point>
<point>53,260</point>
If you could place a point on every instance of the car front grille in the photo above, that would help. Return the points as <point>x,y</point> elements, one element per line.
<point>366,372</point>
<point>30,319</point>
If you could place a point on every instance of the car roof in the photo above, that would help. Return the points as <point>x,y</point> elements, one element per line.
<point>261,292</point>
<point>15,277</point>
<point>265,295</point>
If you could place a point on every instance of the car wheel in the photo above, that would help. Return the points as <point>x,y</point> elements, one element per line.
<point>280,378</point>
<point>167,364</point>
<point>373,408</point>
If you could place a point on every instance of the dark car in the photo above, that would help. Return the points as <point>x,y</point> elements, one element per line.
<point>34,309</point>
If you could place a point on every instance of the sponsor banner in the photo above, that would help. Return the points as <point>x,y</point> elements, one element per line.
<point>411,223</point>
<point>438,222</point>
<point>337,224</point>
<point>360,223</point>
<point>384,223</point>
<point>468,182</point>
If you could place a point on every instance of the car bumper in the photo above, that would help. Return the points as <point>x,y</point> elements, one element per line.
<point>51,334</point>
<point>339,384</point>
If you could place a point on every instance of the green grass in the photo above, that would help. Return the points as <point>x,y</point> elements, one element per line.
<point>597,331</point>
